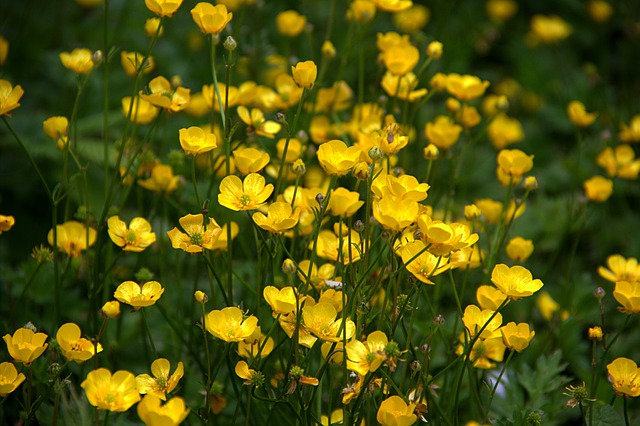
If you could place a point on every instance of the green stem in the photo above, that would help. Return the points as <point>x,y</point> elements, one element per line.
<point>495,387</point>
<point>146,327</point>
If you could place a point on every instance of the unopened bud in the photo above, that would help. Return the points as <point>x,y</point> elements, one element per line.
<point>472,212</point>
<point>289,267</point>
<point>110,309</point>
<point>530,183</point>
<point>320,199</point>
<point>280,117</point>
<point>298,167</point>
<point>358,226</point>
<point>434,50</point>
<point>416,365</point>
<point>230,44</point>
<point>438,320</point>
<point>361,171</point>
<point>599,293</point>
<point>431,152</point>
<point>595,333</point>
<point>97,58</point>
<point>375,153</point>
<point>302,136</point>
<point>328,50</point>
<point>200,297</point>
<point>452,105</point>
<point>176,81</point>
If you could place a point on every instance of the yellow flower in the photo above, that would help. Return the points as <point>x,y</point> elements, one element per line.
<point>443,132</point>
<point>516,336</point>
<point>163,7</point>
<point>402,86</point>
<point>504,131</point>
<point>361,11</point>
<point>394,411</point>
<point>151,27</point>
<point>194,140</point>
<point>413,19</point>
<point>475,319</point>
<point>4,50</point>
<point>152,412</point>
<point>403,187</point>
<point>619,161</point>
<point>336,158</point>
<point>290,23</point>
<point>6,223</point>
<point>250,160</point>
<point>113,392</point>
<point>110,309</point>
<point>421,263</point>
<point>56,127</point>
<point>446,238</point>
<point>73,346</point>
<point>142,111</point>
<point>258,348</point>
<point>595,333</point>
<point>230,325</point>
<point>72,237</point>
<point>401,59</point>
<point>514,163</point>
<point>624,375</point>
<point>620,269</point>
<point>334,98</point>
<point>25,345</point>
<point>599,10</point>
<point>546,305</point>
<point>244,195</point>
<point>631,132</point>
<point>485,351</point>
<point>368,356</point>
<point>549,29</point>
<point>489,297</point>
<point>294,150</point>
<point>516,282</point>
<point>395,214</point>
<point>518,249</point>
<point>329,243</point>
<point>305,74</point>
<point>132,63</point>
<point>210,97</point>
<point>9,97</point>
<point>79,61</point>
<point>317,276</point>
<point>501,10</point>
<point>465,87</point>
<point>344,203</point>
<point>628,295</point>
<point>162,383</point>
<point>198,236</point>
<point>136,237</point>
<point>280,217</point>
<point>211,19</point>
<point>390,139</point>
<point>9,378</point>
<point>579,115</point>
<point>222,243</point>
<point>163,95</point>
<point>320,319</point>
<point>162,179</point>
<point>139,296</point>
<point>393,5</point>
<point>257,123</point>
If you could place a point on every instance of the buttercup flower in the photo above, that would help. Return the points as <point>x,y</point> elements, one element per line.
<point>152,26</point>
<point>25,345</point>
<point>598,189</point>
<point>260,347</point>
<point>475,320</point>
<point>546,305</point>
<point>343,202</point>
<point>403,187</point>
<point>336,158</point>
<point>413,19</point>
<point>489,297</point>
<point>465,87</point>
<point>110,309</point>
<point>230,325</point>
<point>290,23</point>
<point>113,392</point>
<point>79,61</point>
<point>620,269</point>
<point>141,112</point>
<point>514,163</point>
<point>56,127</point>
<point>211,19</point>
<point>395,214</point>
<point>578,114</point>
<point>402,87</point>
<point>251,376</point>
<point>152,412</point>
<point>194,140</point>
<point>9,97</point>
<point>162,179</point>
<point>549,29</point>
<point>163,7</point>
<point>421,263</point>
<point>401,59</point>
<point>361,11</point>
<point>257,123</point>
<point>304,74</point>
<point>504,131</point>
<point>132,63</point>
<point>624,375</point>
<point>136,237</point>
<point>163,382</point>
<point>139,296</point>
<point>163,95</point>
<point>6,223</point>
<point>630,132</point>
<point>443,132</point>
<point>73,346</point>
<point>628,295</point>
<point>393,5</point>
<point>619,162</point>
<point>72,237</point>
<point>518,249</point>
<point>516,282</point>
<point>501,10</point>
<point>244,195</point>
<point>280,217</point>
<point>595,333</point>
<point>9,378</point>
<point>368,356</point>
<point>198,236</point>
<point>394,411</point>
<point>320,319</point>
<point>516,336</point>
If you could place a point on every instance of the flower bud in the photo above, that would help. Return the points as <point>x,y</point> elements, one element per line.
<point>328,50</point>
<point>452,105</point>
<point>97,58</point>
<point>431,152</point>
<point>289,267</point>
<point>434,50</point>
<point>375,153</point>
<point>358,226</point>
<point>472,212</point>
<point>144,275</point>
<point>599,293</point>
<point>298,167</point>
<point>230,44</point>
<point>595,333</point>
<point>320,199</point>
<point>200,297</point>
<point>110,309</point>
<point>530,183</point>
<point>361,170</point>
<point>438,320</point>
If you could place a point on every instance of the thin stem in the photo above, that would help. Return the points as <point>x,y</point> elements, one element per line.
<point>146,327</point>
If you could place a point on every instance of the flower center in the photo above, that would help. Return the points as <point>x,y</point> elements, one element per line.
<point>245,199</point>
<point>196,239</point>
<point>131,237</point>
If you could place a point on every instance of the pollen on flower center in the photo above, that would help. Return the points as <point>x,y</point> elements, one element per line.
<point>110,398</point>
<point>196,239</point>
<point>162,382</point>
<point>131,236</point>
<point>245,199</point>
